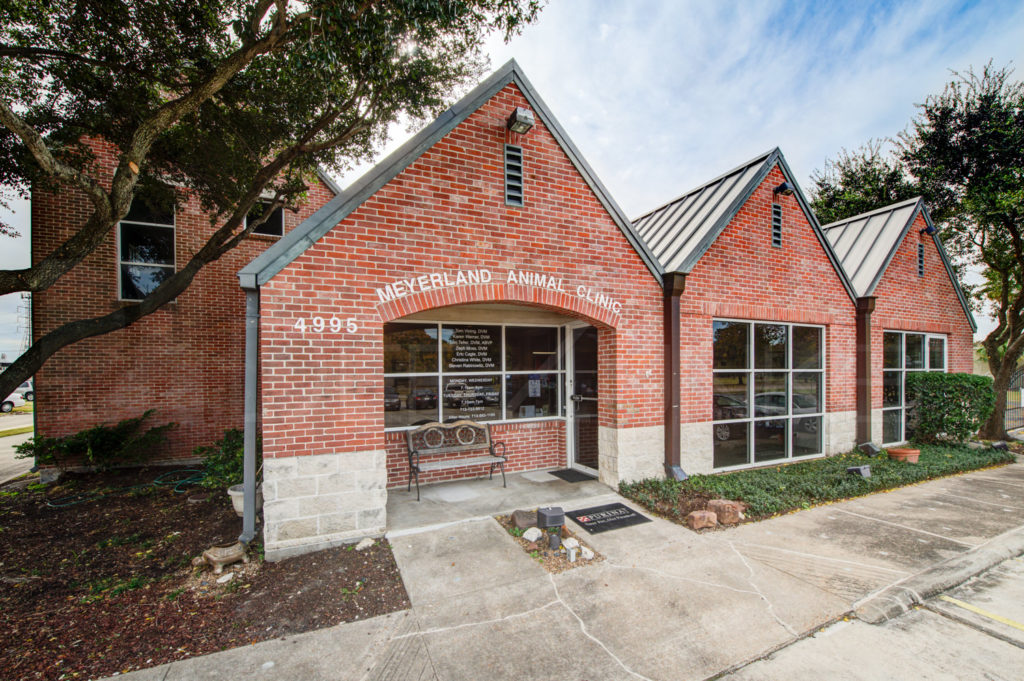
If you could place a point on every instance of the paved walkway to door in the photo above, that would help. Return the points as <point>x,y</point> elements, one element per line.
<point>447,503</point>
<point>666,604</point>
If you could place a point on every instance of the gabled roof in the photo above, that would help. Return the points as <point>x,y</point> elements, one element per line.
<point>294,243</point>
<point>866,244</point>
<point>680,232</point>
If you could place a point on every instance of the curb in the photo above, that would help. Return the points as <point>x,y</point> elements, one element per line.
<point>897,599</point>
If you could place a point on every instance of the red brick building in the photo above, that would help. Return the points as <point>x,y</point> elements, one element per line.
<point>486,274</point>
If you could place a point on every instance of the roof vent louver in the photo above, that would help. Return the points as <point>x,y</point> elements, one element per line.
<point>776,225</point>
<point>513,175</point>
<point>920,260</point>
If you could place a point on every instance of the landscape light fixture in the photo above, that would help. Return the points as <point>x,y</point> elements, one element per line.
<point>786,189</point>
<point>869,448</point>
<point>929,230</point>
<point>520,121</point>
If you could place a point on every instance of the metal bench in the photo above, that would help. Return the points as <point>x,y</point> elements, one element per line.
<point>448,438</point>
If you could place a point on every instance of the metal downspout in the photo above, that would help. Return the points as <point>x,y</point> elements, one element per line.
<point>865,306</point>
<point>674,283</point>
<point>252,348</point>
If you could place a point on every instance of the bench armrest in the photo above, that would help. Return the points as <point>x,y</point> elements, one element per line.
<point>494,449</point>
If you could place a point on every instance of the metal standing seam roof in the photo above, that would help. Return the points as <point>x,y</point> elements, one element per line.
<point>263,268</point>
<point>865,245</point>
<point>681,231</point>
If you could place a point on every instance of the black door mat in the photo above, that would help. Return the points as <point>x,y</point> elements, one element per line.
<point>608,517</point>
<point>572,475</point>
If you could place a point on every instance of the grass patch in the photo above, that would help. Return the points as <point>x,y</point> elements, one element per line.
<point>17,431</point>
<point>778,489</point>
<point>24,409</point>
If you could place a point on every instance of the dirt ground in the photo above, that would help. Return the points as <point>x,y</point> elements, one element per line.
<point>96,578</point>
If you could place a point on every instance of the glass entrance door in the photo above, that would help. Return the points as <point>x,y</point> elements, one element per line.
<point>583,397</point>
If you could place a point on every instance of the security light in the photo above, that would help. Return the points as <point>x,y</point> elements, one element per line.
<point>520,121</point>
<point>929,230</point>
<point>786,189</point>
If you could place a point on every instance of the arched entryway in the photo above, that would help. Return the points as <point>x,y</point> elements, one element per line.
<point>533,373</point>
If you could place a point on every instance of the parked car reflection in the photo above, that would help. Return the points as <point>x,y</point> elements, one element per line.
<point>422,398</point>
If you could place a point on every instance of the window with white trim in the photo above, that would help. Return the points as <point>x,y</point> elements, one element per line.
<point>903,353</point>
<point>274,224</point>
<point>145,248</point>
<point>483,372</point>
<point>780,370</point>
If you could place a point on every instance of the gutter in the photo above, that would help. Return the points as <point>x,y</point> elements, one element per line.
<point>674,284</point>
<point>252,347</point>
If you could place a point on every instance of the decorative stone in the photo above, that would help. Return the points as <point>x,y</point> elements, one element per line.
<point>586,554</point>
<point>225,554</point>
<point>364,543</point>
<point>226,577</point>
<point>571,543</point>
<point>532,534</point>
<point>974,444</point>
<point>524,519</point>
<point>532,546</point>
<point>726,512</point>
<point>698,520</point>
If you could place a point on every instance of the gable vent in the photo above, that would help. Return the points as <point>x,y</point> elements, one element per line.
<point>920,260</point>
<point>776,225</point>
<point>513,175</point>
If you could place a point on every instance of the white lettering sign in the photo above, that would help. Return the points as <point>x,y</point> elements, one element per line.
<point>440,280</point>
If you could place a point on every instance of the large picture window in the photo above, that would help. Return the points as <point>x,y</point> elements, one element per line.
<point>768,391</point>
<point>903,353</point>
<point>145,249</point>
<point>483,372</point>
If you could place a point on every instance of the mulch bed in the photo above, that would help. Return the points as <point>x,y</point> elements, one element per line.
<point>107,585</point>
<point>553,561</point>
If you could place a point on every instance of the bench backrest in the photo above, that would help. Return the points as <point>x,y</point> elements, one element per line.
<point>442,438</point>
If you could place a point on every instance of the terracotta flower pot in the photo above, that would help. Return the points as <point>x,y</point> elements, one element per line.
<point>904,454</point>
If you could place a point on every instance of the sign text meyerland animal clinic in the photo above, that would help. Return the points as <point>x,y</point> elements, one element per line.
<point>440,280</point>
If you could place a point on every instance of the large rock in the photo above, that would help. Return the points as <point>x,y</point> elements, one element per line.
<point>524,519</point>
<point>727,512</point>
<point>532,534</point>
<point>698,520</point>
<point>586,553</point>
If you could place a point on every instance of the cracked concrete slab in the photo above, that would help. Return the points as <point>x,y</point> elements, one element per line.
<point>998,598</point>
<point>460,559</point>
<point>918,645</point>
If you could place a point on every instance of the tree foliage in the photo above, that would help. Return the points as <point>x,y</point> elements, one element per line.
<point>964,153</point>
<point>222,99</point>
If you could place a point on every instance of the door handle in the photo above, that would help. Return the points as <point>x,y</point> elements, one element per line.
<point>577,398</point>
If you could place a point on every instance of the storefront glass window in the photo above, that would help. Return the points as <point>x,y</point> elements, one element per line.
<point>904,353</point>
<point>768,392</point>
<point>482,372</point>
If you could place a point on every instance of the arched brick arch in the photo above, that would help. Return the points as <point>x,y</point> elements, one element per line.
<point>559,301</point>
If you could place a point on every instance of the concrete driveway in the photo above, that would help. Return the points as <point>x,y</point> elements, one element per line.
<point>666,603</point>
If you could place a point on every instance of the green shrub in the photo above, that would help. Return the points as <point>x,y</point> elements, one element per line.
<point>101,447</point>
<point>224,460</point>
<point>948,406</point>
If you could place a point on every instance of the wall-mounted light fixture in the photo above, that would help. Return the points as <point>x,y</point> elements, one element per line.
<point>520,121</point>
<point>929,230</point>
<point>786,189</point>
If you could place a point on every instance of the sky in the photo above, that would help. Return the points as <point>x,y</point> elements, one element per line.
<point>663,96</point>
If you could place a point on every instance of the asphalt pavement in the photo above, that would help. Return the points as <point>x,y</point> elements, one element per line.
<point>10,466</point>
<point>667,603</point>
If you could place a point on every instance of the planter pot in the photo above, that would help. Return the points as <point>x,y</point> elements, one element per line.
<point>237,494</point>
<point>904,454</point>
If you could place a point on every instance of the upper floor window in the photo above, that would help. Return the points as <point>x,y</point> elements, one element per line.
<point>274,225</point>
<point>145,251</point>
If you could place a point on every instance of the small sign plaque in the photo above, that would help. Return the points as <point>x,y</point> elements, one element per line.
<point>608,517</point>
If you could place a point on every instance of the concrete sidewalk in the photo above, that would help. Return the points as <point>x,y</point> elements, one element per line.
<point>665,604</point>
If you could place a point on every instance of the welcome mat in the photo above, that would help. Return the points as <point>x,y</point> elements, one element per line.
<point>572,475</point>
<point>607,517</point>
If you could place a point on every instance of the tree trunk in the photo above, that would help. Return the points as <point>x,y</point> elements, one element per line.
<point>995,427</point>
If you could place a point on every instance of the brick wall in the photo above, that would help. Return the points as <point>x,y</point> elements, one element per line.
<point>445,213</point>
<point>185,360</point>
<point>742,276</point>
<point>928,304</point>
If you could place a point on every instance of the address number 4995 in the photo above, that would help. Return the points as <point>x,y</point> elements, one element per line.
<point>319,325</point>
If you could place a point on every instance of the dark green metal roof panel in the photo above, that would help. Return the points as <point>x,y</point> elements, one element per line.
<point>263,268</point>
